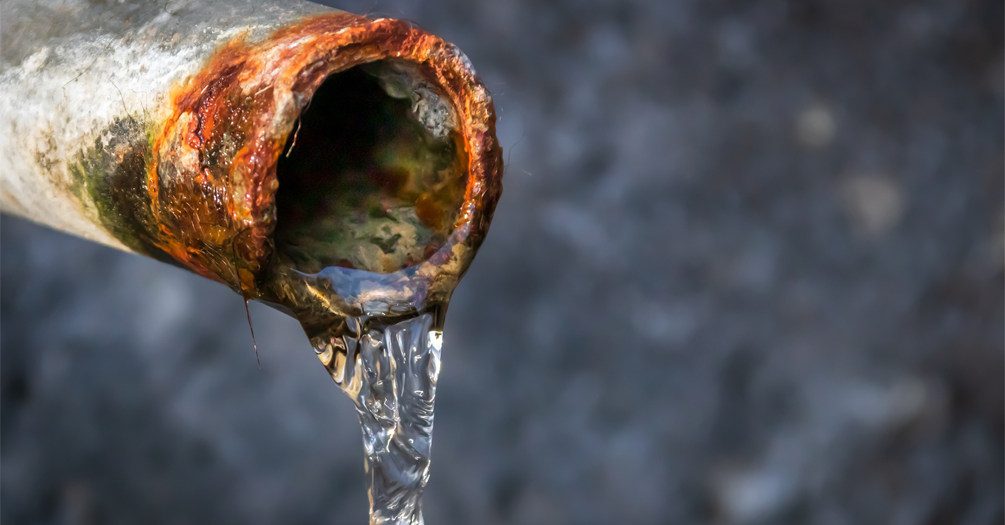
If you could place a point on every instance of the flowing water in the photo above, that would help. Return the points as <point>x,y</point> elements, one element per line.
<point>352,235</point>
<point>388,364</point>
<point>389,367</point>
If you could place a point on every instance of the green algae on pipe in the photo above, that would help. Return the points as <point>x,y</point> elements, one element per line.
<point>342,168</point>
<point>174,130</point>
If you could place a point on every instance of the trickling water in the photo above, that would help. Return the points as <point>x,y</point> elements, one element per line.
<point>389,367</point>
<point>354,239</point>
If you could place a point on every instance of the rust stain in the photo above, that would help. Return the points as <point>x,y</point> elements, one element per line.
<point>211,179</point>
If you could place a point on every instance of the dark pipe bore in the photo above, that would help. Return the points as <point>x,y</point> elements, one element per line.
<point>363,183</point>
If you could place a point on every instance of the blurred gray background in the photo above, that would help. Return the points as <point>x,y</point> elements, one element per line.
<point>747,268</point>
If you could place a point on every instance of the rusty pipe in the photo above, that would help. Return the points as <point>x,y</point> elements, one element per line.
<point>161,130</point>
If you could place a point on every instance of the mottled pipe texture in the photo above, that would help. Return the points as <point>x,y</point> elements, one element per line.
<point>156,128</point>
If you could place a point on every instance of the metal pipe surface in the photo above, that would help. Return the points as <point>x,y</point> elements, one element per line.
<point>157,128</point>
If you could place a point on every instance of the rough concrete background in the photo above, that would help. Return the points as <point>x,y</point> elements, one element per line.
<point>747,269</point>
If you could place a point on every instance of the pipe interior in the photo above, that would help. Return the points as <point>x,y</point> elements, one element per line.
<point>373,173</point>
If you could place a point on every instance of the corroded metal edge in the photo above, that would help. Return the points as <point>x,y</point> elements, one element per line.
<point>187,174</point>
<point>212,180</point>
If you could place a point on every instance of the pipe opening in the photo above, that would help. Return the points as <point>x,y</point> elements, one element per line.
<point>373,173</point>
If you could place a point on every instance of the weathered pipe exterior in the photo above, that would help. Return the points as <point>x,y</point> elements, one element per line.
<point>156,128</point>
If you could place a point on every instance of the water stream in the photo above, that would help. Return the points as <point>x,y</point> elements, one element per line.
<point>389,367</point>
<point>353,233</point>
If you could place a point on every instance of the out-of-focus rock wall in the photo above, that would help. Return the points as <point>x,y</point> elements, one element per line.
<point>748,268</point>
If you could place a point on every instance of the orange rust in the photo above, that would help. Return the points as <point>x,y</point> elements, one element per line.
<point>213,163</point>
<point>428,211</point>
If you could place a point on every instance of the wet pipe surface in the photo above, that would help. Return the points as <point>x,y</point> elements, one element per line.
<point>199,189</point>
<point>343,169</point>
